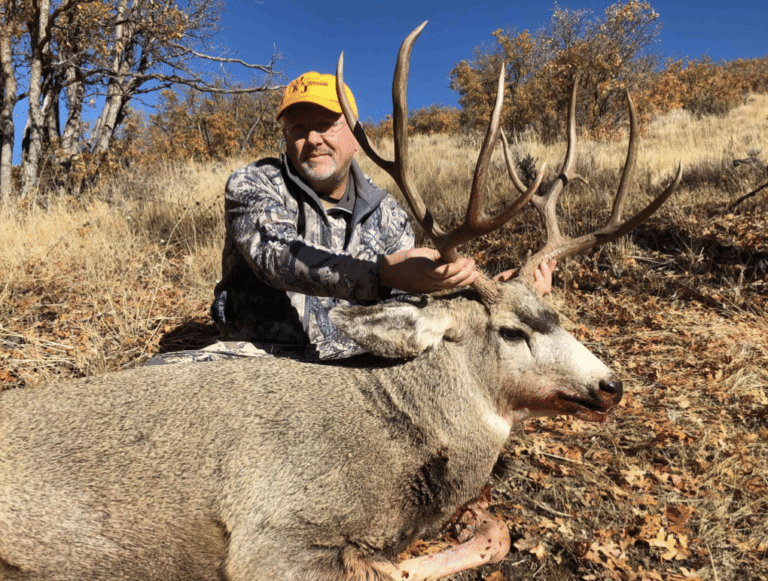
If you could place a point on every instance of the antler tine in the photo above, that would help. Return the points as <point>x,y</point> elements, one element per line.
<point>559,246</point>
<point>397,168</point>
<point>629,167</point>
<point>352,121</point>
<point>476,222</point>
<point>621,194</point>
<point>400,128</point>
<point>511,166</point>
<point>547,204</point>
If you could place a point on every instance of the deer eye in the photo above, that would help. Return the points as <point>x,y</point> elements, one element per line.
<point>510,334</point>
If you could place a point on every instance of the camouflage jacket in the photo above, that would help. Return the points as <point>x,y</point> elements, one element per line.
<point>287,261</point>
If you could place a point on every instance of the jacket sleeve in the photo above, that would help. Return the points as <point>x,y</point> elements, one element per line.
<point>262,221</point>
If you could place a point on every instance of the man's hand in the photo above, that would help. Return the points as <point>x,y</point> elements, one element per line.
<point>542,277</point>
<point>420,270</point>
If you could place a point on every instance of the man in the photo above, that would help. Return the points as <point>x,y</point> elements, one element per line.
<point>308,231</point>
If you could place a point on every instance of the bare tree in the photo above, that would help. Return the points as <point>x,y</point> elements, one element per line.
<point>110,52</point>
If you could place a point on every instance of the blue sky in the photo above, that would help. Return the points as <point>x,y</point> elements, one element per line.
<point>310,36</point>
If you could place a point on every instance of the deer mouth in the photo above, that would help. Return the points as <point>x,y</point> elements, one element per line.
<point>570,402</point>
<point>586,410</point>
<point>594,408</point>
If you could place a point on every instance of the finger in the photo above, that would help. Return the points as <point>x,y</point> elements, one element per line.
<point>447,276</point>
<point>461,269</point>
<point>542,278</point>
<point>447,271</point>
<point>466,276</point>
<point>550,266</point>
<point>432,254</point>
<point>460,281</point>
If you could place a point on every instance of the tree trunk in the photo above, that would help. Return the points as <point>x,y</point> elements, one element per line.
<point>33,132</point>
<point>105,126</point>
<point>51,122</point>
<point>73,126</point>
<point>7,129</point>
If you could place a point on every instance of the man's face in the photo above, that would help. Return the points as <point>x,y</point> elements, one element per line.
<point>320,145</point>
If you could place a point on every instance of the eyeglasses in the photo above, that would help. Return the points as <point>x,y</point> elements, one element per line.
<point>325,127</point>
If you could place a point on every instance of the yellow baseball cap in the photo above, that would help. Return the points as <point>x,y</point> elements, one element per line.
<point>315,88</point>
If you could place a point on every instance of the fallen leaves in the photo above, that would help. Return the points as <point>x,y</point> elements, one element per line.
<point>674,546</point>
<point>677,517</point>
<point>533,545</point>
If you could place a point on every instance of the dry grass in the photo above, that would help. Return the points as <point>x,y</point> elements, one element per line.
<point>93,286</point>
<point>443,166</point>
<point>673,486</point>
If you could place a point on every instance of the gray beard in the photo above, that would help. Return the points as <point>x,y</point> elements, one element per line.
<point>316,174</point>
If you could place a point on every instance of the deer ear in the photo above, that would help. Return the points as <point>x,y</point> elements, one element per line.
<point>399,329</point>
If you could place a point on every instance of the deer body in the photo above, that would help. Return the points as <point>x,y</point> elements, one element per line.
<point>269,468</point>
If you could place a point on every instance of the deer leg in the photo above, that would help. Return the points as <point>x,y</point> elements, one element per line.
<point>489,544</point>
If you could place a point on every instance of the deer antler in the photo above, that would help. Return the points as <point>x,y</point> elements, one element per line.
<point>559,245</point>
<point>476,223</point>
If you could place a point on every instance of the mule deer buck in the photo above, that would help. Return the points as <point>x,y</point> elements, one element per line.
<point>268,468</point>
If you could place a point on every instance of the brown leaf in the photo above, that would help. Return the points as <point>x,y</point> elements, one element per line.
<point>677,518</point>
<point>532,544</point>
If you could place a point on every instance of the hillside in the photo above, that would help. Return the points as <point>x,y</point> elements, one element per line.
<point>673,486</point>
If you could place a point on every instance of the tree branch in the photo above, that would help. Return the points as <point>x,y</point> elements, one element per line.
<point>264,68</point>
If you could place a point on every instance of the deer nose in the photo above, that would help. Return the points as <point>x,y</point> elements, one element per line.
<point>615,388</point>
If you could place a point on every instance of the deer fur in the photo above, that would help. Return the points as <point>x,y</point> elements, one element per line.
<point>268,468</point>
